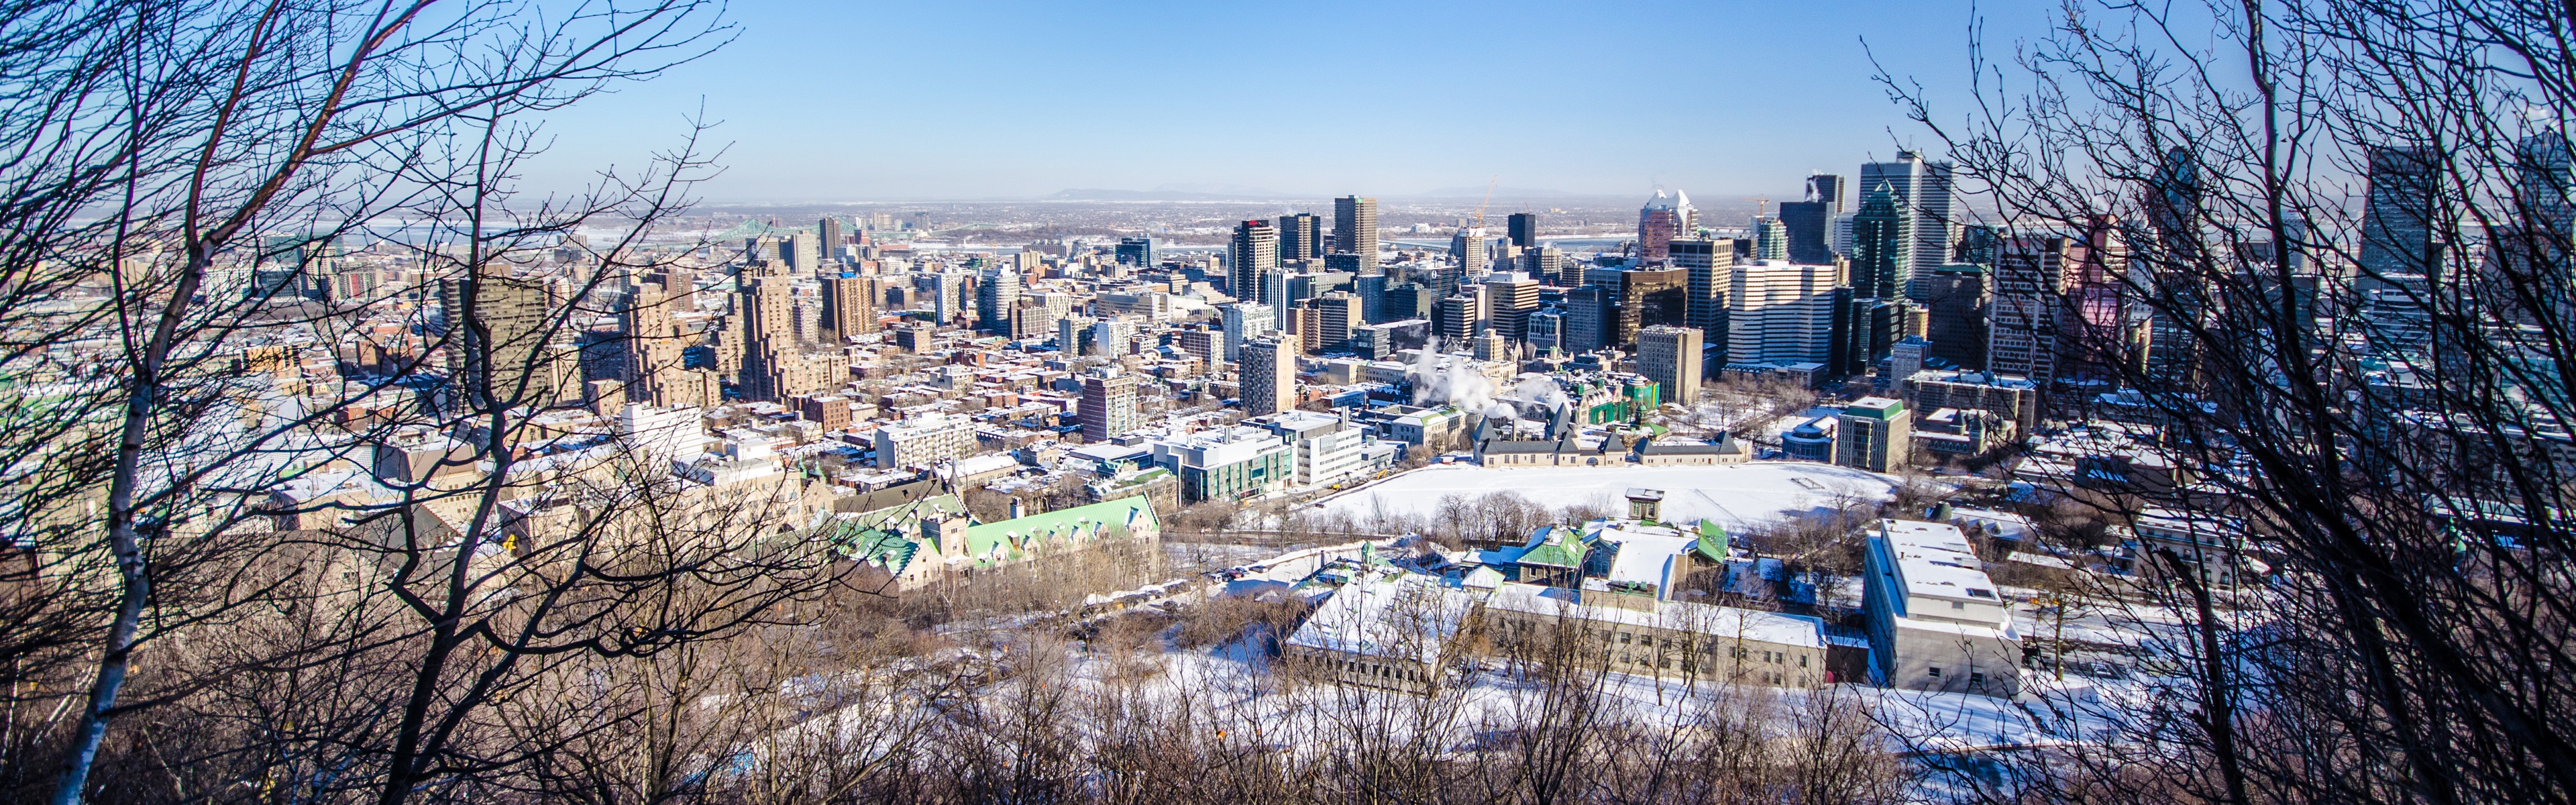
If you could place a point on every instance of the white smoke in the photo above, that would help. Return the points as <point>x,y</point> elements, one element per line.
<point>1443,380</point>
<point>1543,392</point>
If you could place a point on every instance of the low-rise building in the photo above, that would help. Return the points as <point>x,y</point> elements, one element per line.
<point>1662,452</point>
<point>1936,622</point>
<point>1329,450</point>
<point>1661,638</point>
<point>906,547</point>
<point>1812,440</point>
<point>1234,463</point>
<point>1426,426</point>
<point>1398,634</point>
<point>2013,398</point>
<point>1961,433</point>
<point>924,441</point>
<point>2211,546</point>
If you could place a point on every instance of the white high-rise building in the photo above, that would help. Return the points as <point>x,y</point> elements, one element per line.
<point>1780,313</point>
<point>1110,337</point>
<point>1244,322</point>
<point>1468,248</point>
<point>925,441</point>
<point>658,435</point>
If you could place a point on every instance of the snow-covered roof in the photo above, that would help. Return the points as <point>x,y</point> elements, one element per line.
<point>1935,561</point>
<point>1707,619</point>
<point>1411,617</point>
<point>1645,553</point>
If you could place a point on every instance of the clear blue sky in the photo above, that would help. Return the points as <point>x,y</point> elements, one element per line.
<point>859,101</point>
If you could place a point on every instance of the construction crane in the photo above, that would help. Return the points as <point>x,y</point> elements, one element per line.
<point>1489,199</point>
<point>1761,205</point>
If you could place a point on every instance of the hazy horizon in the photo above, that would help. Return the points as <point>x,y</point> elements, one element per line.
<point>879,103</point>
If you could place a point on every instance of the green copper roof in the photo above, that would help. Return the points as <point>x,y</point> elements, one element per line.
<point>1554,546</point>
<point>1013,539</point>
<point>885,549</point>
<point>1712,541</point>
<point>1888,410</point>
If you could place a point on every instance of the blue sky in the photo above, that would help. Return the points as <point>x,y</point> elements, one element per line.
<point>859,101</point>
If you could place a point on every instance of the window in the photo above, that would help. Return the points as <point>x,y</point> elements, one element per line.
<point>1976,681</point>
<point>1935,672</point>
<point>1802,661</point>
<point>1958,605</point>
<point>1623,638</point>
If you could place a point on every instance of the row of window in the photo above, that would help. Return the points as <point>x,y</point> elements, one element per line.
<point>1976,679</point>
<point>1383,672</point>
<point>1684,645</point>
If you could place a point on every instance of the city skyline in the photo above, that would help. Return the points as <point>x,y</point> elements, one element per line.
<point>1028,101</point>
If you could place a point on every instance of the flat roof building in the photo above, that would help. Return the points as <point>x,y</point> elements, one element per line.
<point>1936,621</point>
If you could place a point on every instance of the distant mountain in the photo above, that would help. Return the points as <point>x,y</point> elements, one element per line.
<point>1169,194</point>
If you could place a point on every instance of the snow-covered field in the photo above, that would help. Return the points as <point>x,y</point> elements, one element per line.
<point>1734,495</point>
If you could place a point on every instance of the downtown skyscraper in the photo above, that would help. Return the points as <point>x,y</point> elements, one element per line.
<point>1355,231</point>
<point>1254,252</point>
<point>1468,247</point>
<point>1523,229</point>
<point>1137,250</point>
<point>2397,220</point>
<point>829,230</point>
<point>1882,237</point>
<point>1663,219</point>
<point>1301,237</point>
<point>1922,192</point>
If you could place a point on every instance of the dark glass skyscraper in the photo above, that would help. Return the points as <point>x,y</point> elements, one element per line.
<point>1523,229</point>
<point>1811,222</point>
<point>1827,189</point>
<point>1810,225</point>
<point>1136,251</point>
<point>1880,234</point>
<point>2398,220</point>
<point>1301,237</point>
<point>1959,297</point>
<point>1923,194</point>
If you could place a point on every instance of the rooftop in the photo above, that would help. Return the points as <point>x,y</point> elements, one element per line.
<point>1411,617</point>
<point>1935,560</point>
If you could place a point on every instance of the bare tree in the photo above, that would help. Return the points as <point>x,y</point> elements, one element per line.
<point>2326,245</point>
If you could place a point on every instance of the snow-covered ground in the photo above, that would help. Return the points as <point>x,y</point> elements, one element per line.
<point>1734,495</point>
